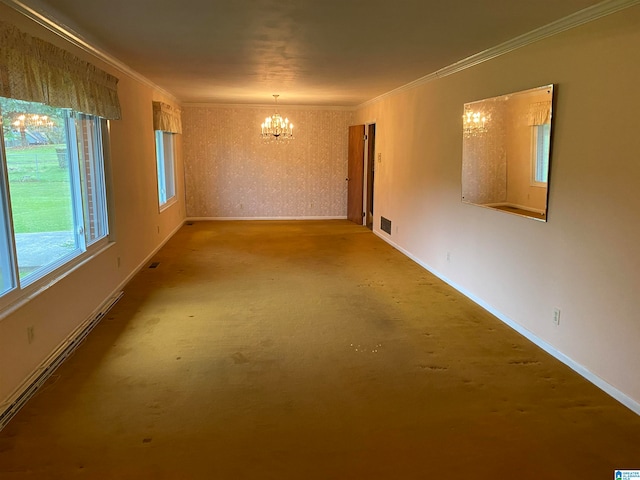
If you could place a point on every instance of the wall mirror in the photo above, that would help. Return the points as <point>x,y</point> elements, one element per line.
<point>506,151</point>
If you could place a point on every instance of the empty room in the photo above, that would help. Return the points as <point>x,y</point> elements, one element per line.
<point>325,240</point>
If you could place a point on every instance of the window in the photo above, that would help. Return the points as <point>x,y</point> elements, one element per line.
<point>52,189</point>
<point>541,139</point>
<point>92,177</point>
<point>165,166</point>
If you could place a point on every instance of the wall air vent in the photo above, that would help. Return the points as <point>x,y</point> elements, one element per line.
<point>385,225</point>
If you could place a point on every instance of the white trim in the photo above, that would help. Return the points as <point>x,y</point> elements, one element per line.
<point>301,217</point>
<point>574,20</point>
<point>169,203</point>
<point>603,385</point>
<point>47,21</point>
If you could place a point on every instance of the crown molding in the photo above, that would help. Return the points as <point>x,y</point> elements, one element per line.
<point>587,15</point>
<point>50,23</point>
<point>271,105</point>
<point>579,18</point>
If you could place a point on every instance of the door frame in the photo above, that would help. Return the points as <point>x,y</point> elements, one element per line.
<point>369,171</point>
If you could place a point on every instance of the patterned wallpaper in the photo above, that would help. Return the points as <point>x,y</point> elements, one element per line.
<point>484,158</point>
<point>230,172</point>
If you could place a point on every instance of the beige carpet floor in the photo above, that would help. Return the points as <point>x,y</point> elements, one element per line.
<point>309,350</point>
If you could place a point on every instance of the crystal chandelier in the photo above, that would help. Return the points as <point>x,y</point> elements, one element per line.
<point>474,123</point>
<point>23,121</point>
<point>275,127</point>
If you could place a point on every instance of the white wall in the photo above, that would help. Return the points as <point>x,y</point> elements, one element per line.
<point>60,309</point>
<point>586,259</point>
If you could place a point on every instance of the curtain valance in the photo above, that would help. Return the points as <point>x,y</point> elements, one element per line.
<point>37,71</point>
<point>540,113</point>
<point>166,118</point>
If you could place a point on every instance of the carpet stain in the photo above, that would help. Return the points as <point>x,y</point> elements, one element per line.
<point>433,368</point>
<point>153,321</point>
<point>239,358</point>
<point>524,362</point>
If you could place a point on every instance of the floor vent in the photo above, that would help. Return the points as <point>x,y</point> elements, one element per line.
<point>154,265</point>
<point>385,225</point>
<point>189,224</point>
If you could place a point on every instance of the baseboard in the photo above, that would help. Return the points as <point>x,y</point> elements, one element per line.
<point>302,217</point>
<point>31,384</point>
<point>603,385</point>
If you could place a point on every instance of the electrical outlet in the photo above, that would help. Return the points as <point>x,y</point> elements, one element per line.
<point>556,316</point>
<point>118,262</point>
<point>448,256</point>
<point>30,334</point>
<point>379,157</point>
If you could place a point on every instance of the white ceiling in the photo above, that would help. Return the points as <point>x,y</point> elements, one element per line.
<point>330,52</point>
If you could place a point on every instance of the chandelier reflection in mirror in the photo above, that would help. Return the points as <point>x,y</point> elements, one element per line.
<point>23,121</point>
<point>474,123</point>
<point>276,128</point>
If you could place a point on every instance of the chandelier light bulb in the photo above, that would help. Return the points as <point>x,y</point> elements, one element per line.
<point>276,128</point>
<point>474,123</point>
<point>32,121</point>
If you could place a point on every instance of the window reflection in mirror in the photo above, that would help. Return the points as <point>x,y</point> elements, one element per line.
<point>506,152</point>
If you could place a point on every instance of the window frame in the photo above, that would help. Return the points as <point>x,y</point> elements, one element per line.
<point>99,151</point>
<point>23,289</point>
<point>540,159</point>
<point>166,181</point>
<point>7,244</point>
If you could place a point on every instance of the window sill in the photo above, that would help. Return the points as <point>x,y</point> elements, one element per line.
<point>172,201</point>
<point>16,300</point>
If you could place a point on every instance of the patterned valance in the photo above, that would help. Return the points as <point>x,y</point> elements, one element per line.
<point>37,71</point>
<point>540,113</point>
<point>166,118</point>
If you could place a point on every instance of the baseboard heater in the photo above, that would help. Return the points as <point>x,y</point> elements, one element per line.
<point>29,388</point>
